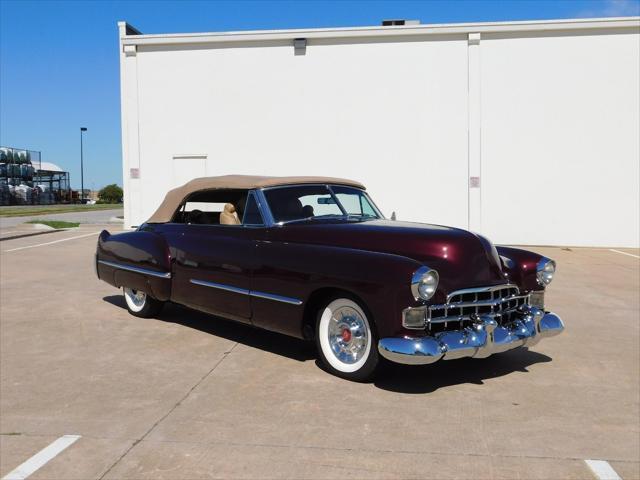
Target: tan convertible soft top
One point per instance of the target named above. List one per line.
(175, 197)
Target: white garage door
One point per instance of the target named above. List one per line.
(560, 143)
(392, 115)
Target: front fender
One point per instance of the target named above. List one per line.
(520, 267)
(380, 280)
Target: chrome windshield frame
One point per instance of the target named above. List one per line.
(270, 221)
(366, 195)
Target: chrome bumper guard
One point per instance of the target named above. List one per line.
(482, 339)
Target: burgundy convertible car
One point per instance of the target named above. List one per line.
(314, 258)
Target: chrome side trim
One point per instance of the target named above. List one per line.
(131, 268)
(220, 286)
(276, 298)
(251, 293)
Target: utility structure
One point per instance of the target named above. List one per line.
(82, 129)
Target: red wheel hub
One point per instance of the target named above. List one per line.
(346, 335)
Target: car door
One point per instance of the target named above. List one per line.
(213, 262)
(212, 269)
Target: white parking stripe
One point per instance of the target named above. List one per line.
(41, 458)
(602, 470)
(49, 243)
(623, 253)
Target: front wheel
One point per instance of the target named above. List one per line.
(140, 304)
(347, 344)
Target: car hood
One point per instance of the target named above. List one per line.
(462, 258)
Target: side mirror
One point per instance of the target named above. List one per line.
(393, 216)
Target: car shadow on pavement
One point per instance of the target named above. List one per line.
(391, 377)
(277, 343)
(429, 378)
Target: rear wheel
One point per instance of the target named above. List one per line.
(140, 304)
(346, 341)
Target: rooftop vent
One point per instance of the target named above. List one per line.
(399, 22)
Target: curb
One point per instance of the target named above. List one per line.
(32, 234)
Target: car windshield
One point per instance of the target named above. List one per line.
(313, 202)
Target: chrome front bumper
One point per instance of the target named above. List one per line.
(482, 339)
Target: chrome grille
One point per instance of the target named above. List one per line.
(500, 302)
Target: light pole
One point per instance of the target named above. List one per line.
(82, 129)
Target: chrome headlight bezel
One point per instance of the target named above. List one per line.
(545, 271)
(424, 283)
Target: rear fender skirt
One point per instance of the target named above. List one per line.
(156, 287)
(139, 260)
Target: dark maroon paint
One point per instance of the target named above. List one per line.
(372, 260)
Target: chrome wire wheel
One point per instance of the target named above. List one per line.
(135, 299)
(345, 335)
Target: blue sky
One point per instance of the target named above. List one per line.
(59, 60)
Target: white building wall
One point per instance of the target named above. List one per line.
(412, 117)
(561, 139)
(379, 113)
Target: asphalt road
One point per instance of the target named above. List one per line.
(96, 217)
(193, 396)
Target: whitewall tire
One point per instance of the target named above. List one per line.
(346, 340)
(140, 304)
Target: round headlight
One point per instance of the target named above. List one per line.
(546, 270)
(424, 283)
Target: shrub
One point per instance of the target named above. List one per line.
(110, 194)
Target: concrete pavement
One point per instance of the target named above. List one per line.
(193, 396)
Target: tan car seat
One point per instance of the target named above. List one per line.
(229, 215)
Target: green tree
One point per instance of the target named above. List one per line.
(110, 194)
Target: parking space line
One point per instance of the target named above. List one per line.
(49, 243)
(41, 458)
(602, 470)
(623, 253)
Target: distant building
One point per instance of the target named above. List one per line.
(55, 179)
(25, 179)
